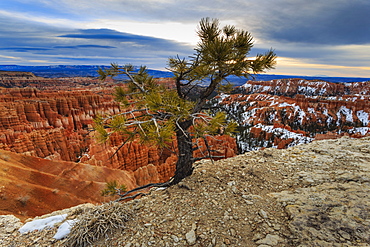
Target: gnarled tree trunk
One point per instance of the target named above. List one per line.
(184, 165)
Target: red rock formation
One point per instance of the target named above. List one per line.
(31, 186)
(291, 87)
(133, 155)
(54, 125)
(50, 123)
(301, 108)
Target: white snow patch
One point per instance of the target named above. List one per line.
(223, 96)
(307, 90)
(363, 117)
(284, 104)
(311, 110)
(246, 116)
(40, 224)
(346, 112)
(301, 113)
(273, 103)
(362, 130)
(247, 85)
(325, 112)
(64, 229)
(285, 134)
(322, 91)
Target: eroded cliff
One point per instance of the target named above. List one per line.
(284, 113)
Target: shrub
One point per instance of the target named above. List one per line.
(96, 223)
(112, 188)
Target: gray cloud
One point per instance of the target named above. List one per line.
(86, 46)
(34, 41)
(300, 21)
(324, 22)
(333, 32)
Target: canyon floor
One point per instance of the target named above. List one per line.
(316, 194)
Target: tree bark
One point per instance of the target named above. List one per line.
(184, 164)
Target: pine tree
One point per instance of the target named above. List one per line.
(156, 113)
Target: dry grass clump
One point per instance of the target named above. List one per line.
(96, 223)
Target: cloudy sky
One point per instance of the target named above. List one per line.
(310, 37)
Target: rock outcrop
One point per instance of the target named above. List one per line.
(140, 158)
(50, 124)
(292, 87)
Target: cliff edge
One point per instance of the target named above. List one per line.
(316, 194)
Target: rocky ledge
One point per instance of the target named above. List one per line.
(309, 195)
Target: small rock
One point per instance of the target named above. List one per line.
(193, 226)
(257, 237)
(213, 241)
(263, 214)
(191, 237)
(344, 234)
(175, 238)
(234, 190)
(248, 202)
(231, 183)
(270, 240)
(227, 241)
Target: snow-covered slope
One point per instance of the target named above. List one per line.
(284, 113)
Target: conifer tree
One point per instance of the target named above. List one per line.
(155, 113)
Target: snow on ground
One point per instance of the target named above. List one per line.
(285, 104)
(362, 130)
(301, 113)
(311, 110)
(285, 134)
(363, 117)
(247, 115)
(278, 132)
(223, 96)
(40, 224)
(346, 112)
(306, 90)
(64, 229)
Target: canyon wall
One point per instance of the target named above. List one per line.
(48, 123)
(53, 120)
(50, 156)
(284, 113)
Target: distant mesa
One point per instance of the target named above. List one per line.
(55, 71)
(16, 74)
